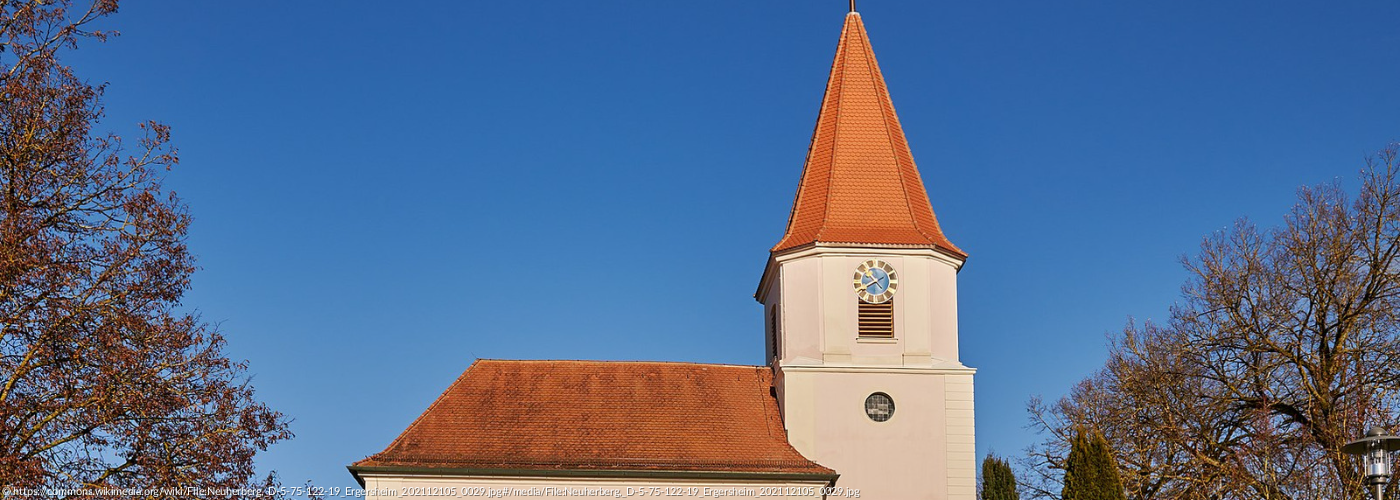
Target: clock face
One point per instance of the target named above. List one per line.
(875, 281)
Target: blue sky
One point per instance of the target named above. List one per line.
(383, 194)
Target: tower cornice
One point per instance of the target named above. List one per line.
(833, 250)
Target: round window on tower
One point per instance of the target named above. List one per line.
(879, 407)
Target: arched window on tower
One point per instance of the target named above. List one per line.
(773, 333)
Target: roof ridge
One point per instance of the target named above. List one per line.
(812, 146)
(840, 86)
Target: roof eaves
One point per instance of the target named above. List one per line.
(827, 475)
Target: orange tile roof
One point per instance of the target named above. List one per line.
(601, 416)
(860, 184)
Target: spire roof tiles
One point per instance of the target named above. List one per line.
(860, 184)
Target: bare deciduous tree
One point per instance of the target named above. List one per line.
(1286, 346)
(103, 381)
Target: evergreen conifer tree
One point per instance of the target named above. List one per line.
(998, 482)
(1091, 473)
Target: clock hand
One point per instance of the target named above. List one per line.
(873, 280)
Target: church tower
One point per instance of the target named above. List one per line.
(860, 301)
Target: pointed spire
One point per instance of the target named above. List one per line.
(860, 185)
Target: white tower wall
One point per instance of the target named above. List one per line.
(825, 371)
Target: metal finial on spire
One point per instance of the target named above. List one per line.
(853, 5)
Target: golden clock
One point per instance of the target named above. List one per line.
(875, 281)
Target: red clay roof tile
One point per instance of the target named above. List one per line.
(597, 415)
(860, 184)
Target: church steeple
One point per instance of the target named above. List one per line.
(859, 185)
(860, 303)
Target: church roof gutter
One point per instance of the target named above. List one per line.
(356, 470)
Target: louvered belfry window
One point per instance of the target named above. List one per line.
(876, 320)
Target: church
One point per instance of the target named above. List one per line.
(862, 396)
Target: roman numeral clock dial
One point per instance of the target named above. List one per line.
(875, 281)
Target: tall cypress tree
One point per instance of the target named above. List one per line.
(1078, 472)
(1109, 482)
(998, 482)
(1091, 473)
